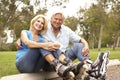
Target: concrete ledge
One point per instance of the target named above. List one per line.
(46, 75)
(114, 62)
(32, 76)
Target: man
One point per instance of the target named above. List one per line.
(57, 32)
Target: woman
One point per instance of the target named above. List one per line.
(37, 52)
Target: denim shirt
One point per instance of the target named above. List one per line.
(65, 36)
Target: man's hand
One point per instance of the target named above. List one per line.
(85, 51)
(18, 44)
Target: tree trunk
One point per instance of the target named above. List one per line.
(118, 42)
(93, 41)
(100, 38)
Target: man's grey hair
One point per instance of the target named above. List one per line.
(53, 11)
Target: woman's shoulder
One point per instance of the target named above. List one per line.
(26, 31)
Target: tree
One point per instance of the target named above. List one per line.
(114, 15)
(7, 18)
(93, 23)
(71, 22)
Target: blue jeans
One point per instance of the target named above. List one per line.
(75, 52)
(32, 62)
(55, 53)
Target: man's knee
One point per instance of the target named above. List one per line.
(79, 45)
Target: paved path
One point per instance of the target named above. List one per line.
(113, 72)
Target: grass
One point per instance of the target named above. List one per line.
(114, 54)
(7, 60)
(7, 63)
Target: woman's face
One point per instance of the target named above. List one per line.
(38, 24)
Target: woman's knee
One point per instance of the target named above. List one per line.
(22, 68)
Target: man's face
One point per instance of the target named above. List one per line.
(57, 20)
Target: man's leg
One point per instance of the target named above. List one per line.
(75, 52)
(29, 62)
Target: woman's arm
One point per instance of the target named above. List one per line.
(33, 44)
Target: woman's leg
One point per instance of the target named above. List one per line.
(32, 61)
(51, 55)
(61, 69)
(76, 52)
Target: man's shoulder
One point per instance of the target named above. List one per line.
(65, 27)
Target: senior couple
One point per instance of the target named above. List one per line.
(45, 46)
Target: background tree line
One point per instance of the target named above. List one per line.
(99, 24)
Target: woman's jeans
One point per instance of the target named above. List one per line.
(34, 60)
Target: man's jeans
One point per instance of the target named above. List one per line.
(75, 52)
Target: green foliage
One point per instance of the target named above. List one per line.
(94, 19)
(97, 16)
(8, 47)
(71, 22)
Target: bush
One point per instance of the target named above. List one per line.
(8, 47)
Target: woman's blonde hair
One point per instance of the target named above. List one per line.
(45, 26)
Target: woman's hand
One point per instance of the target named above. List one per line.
(51, 46)
(57, 45)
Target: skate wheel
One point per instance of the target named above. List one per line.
(71, 74)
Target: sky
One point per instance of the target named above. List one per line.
(74, 5)
(71, 7)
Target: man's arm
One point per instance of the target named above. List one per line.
(18, 44)
(85, 50)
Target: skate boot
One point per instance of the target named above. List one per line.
(79, 69)
(70, 75)
(62, 70)
(99, 67)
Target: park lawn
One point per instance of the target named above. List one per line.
(7, 63)
(7, 60)
(114, 54)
